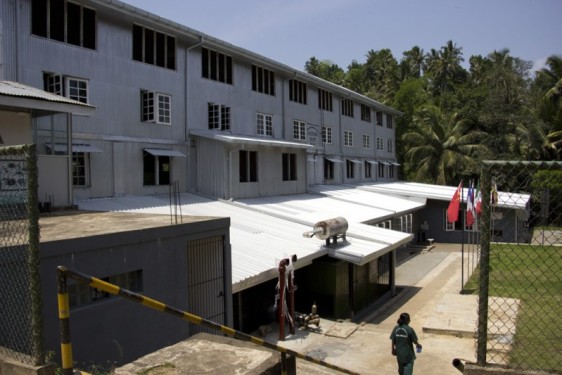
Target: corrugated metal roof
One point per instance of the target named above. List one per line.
(259, 241)
(410, 190)
(239, 139)
(10, 88)
(393, 205)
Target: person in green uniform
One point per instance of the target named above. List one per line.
(403, 337)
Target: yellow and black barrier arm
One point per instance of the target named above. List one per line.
(159, 306)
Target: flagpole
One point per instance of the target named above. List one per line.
(462, 240)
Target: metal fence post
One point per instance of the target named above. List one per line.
(484, 269)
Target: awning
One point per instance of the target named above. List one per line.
(396, 164)
(242, 139)
(164, 152)
(356, 161)
(333, 160)
(76, 147)
(374, 162)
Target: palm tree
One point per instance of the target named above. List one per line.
(444, 67)
(381, 71)
(441, 146)
(412, 64)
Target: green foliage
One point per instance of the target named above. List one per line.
(513, 115)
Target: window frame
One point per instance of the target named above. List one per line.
(154, 47)
(299, 130)
(349, 169)
(366, 141)
(289, 166)
(161, 175)
(380, 144)
(379, 118)
(327, 135)
(248, 166)
(368, 169)
(365, 113)
(325, 100)
(329, 167)
(218, 117)
(298, 91)
(264, 124)
(263, 80)
(347, 107)
(389, 122)
(348, 138)
(216, 66)
(161, 113)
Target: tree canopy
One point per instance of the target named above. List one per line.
(455, 117)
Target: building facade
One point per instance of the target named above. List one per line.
(176, 107)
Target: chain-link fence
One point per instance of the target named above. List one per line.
(520, 286)
(20, 292)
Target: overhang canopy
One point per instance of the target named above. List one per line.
(17, 95)
(239, 139)
(164, 152)
(76, 147)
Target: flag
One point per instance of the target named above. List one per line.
(470, 209)
(494, 194)
(478, 200)
(454, 205)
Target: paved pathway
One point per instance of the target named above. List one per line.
(427, 282)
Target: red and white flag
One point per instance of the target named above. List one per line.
(454, 205)
(478, 200)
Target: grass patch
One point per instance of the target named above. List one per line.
(533, 274)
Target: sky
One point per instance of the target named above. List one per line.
(293, 31)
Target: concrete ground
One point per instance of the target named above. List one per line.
(429, 286)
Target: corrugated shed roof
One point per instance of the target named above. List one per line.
(259, 241)
(16, 89)
(439, 192)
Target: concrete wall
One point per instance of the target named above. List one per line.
(114, 330)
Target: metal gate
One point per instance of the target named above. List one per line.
(205, 281)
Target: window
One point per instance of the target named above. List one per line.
(348, 138)
(368, 172)
(289, 167)
(390, 143)
(264, 124)
(218, 117)
(248, 166)
(153, 47)
(326, 134)
(73, 88)
(350, 169)
(449, 227)
(347, 107)
(156, 107)
(391, 171)
(156, 169)
(389, 121)
(381, 170)
(80, 169)
(379, 118)
(366, 141)
(263, 80)
(216, 66)
(299, 130)
(81, 294)
(328, 169)
(325, 100)
(297, 91)
(380, 145)
(365, 113)
(64, 21)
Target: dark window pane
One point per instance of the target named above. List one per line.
(253, 166)
(137, 42)
(163, 170)
(213, 67)
(254, 77)
(171, 52)
(39, 17)
(222, 67)
(243, 166)
(148, 46)
(161, 50)
(89, 28)
(73, 24)
(229, 69)
(57, 20)
(149, 169)
(205, 62)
